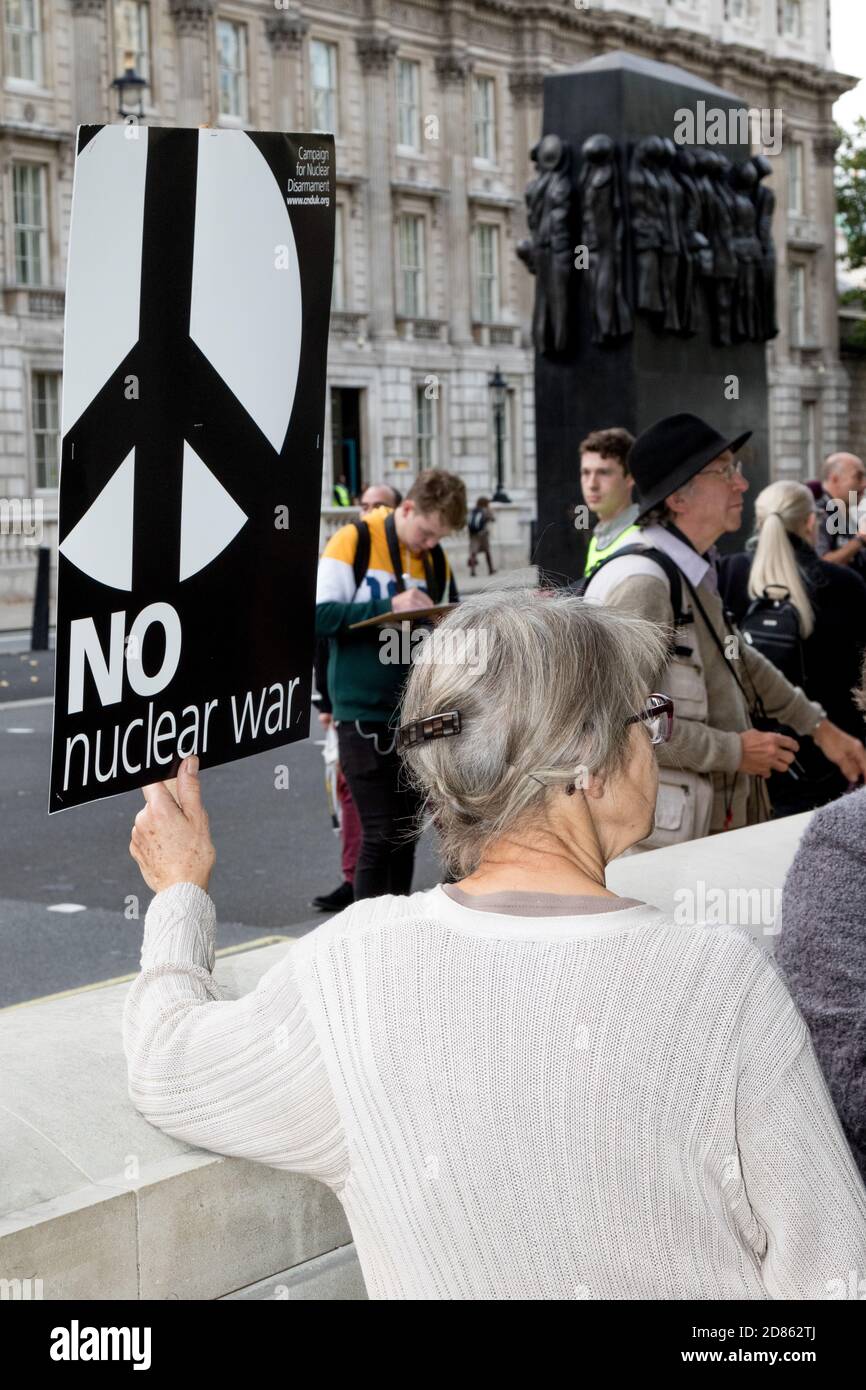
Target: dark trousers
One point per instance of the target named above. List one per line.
(386, 806)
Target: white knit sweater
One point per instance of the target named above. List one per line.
(541, 1107)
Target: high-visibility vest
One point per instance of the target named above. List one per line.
(594, 555)
(342, 495)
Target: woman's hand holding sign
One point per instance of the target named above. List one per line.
(171, 840)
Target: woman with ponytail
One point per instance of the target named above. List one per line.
(780, 562)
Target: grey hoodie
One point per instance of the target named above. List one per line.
(822, 953)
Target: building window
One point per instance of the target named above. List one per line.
(132, 35)
(412, 265)
(487, 272)
(738, 10)
(809, 435)
(31, 233)
(323, 79)
(508, 435)
(484, 118)
(24, 40)
(796, 191)
(797, 304)
(45, 421)
(232, 52)
(338, 286)
(409, 104)
(426, 432)
(791, 18)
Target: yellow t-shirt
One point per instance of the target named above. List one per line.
(336, 578)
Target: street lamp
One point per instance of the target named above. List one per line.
(499, 388)
(130, 86)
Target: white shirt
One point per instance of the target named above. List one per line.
(601, 1106)
(695, 567)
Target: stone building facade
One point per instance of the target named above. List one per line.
(434, 105)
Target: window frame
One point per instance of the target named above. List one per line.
(787, 7)
(798, 329)
(495, 277)
(421, 403)
(488, 121)
(142, 7)
(418, 270)
(413, 147)
(796, 171)
(334, 92)
(241, 74)
(43, 230)
(48, 370)
(338, 283)
(11, 80)
(510, 436)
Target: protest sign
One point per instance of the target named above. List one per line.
(197, 309)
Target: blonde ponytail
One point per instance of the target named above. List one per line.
(782, 509)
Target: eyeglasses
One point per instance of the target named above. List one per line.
(729, 472)
(658, 717)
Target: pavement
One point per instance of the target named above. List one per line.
(72, 901)
(26, 675)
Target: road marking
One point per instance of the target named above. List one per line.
(124, 979)
(67, 907)
(26, 704)
(19, 731)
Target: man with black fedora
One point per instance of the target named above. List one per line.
(728, 698)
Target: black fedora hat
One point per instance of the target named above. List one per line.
(670, 452)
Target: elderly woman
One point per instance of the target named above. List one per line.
(518, 1085)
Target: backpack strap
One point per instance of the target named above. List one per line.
(671, 571)
(361, 562)
(434, 572)
(393, 542)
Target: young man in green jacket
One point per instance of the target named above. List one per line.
(606, 485)
(403, 570)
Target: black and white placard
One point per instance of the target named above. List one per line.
(197, 307)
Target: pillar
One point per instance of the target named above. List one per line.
(375, 52)
(286, 36)
(452, 71)
(90, 85)
(192, 19)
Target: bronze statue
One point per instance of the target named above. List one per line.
(698, 256)
(602, 234)
(765, 205)
(719, 228)
(673, 247)
(743, 179)
(647, 227)
(548, 252)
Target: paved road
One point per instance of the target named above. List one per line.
(275, 848)
(25, 675)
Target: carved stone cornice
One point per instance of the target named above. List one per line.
(191, 16)
(88, 9)
(452, 69)
(825, 148)
(286, 32)
(375, 52)
(527, 88)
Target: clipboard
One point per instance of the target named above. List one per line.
(414, 615)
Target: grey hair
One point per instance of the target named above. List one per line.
(547, 706)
